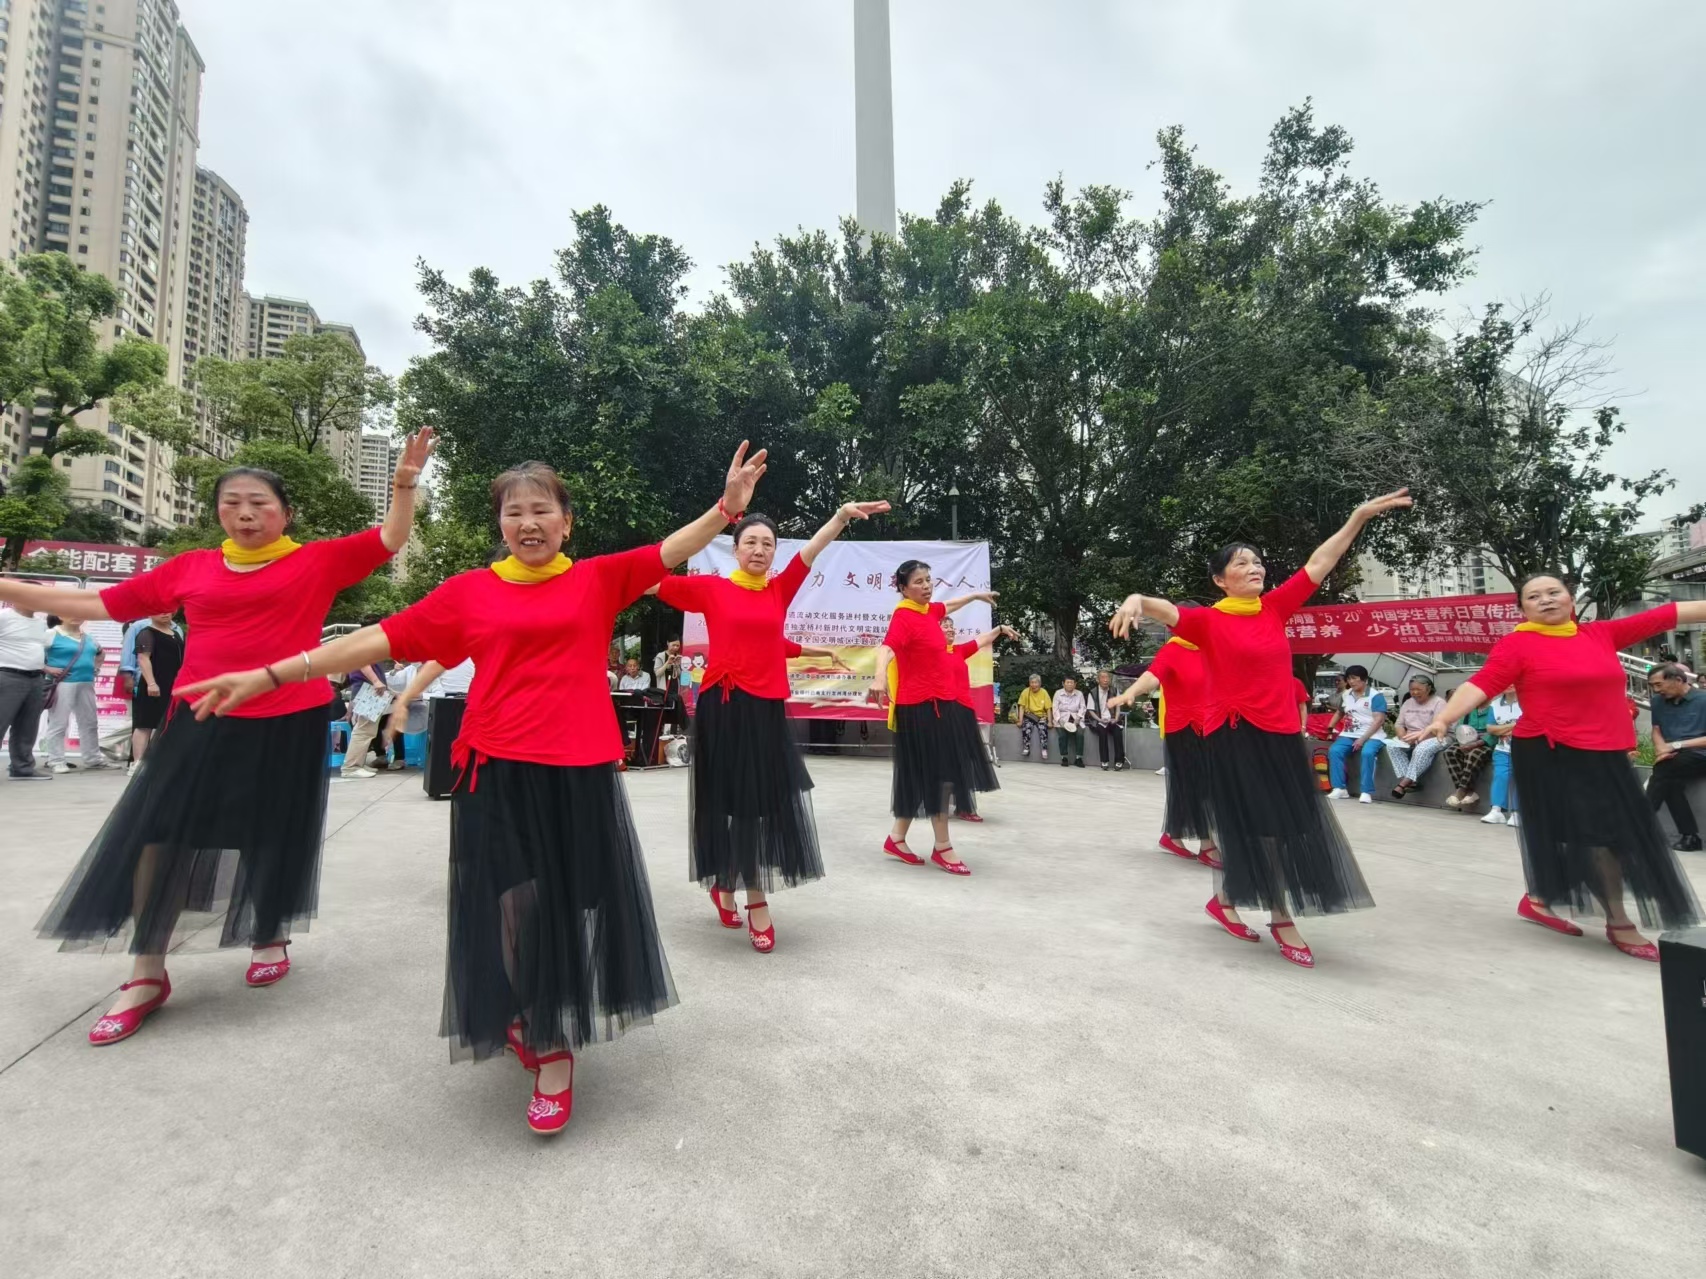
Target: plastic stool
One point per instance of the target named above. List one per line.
(337, 741)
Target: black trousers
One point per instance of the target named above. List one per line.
(1668, 787)
(1106, 734)
(21, 696)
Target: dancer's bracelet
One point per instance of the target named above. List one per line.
(276, 681)
(307, 666)
(723, 510)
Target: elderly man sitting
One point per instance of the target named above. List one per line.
(1679, 748)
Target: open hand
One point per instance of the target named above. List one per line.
(862, 510)
(417, 451)
(1396, 500)
(1126, 616)
(743, 477)
(877, 694)
(224, 693)
(1439, 728)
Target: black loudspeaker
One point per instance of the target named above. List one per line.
(444, 722)
(1682, 973)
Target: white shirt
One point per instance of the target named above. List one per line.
(457, 679)
(1361, 711)
(23, 641)
(635, 683)
(1506, 711)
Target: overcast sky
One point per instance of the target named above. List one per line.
(363, 134)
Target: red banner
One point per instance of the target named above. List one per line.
(88, 559)
(1449, 624)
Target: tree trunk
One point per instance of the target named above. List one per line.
(1065, 630)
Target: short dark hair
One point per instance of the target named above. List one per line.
(1221, 559)
(903, 574)
(535, 474)
(755, 520)
(1670, 670)
(272, 479)
(1522, 585)
(1357, 670)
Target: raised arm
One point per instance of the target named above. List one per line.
(81, 606)
(1136, 606)
(837, 525)
(224, 693)
(1691, 612)
(400, 519)
(1467, 697)
(1327, 555)
(989, 637)
(688, 540)
(958, 602)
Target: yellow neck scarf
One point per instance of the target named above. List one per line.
(1182, 643)
(1541, 628)
(749, 581)
(914, 605)
(1239, 605)
(513, 570)
(235, 554)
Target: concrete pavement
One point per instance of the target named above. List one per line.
(1056, 1067)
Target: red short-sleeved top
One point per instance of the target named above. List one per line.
(927, 665)
(541, 693)
(1299, 694)
(747, 645)
(1248, 660)
(1573, 690)
(1184, 681)
(962, 671)
(238, 621)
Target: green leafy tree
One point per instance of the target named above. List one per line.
(319, 385)
(86, 523)
(33, 504)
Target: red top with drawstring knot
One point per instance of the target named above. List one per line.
(1248, 660)
(748, 649)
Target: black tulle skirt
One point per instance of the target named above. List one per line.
(751, 811)
(1188, 813)
(1278, 840)
(939, 760)
(221, 825)
(1586, 821)
(550, 911)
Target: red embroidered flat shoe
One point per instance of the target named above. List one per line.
(1240, 930)
(1207, 858)
(269, 974)
(968, 817)
(1170, 845)
(763, 942)
(1302, 956)
(516, 1044)
(730, 917)
(116, 1026)
(1525, 910)
(952, 867)
(1645, 950)
(548, 1112)
(901, 851)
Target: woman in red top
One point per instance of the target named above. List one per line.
(1282, 849)
(223, 819)
(939, 758)
(751, 812)
(1178, 671)
(962, 687)
(1587, 829)
(553, 943)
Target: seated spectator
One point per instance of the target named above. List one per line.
(1036, 710)
(1414, 751)
(1361, 725)
(1107, 721)
(1679, 749)
(1505, 713)
(1069, 710)
(634, 680)
(1467, 754)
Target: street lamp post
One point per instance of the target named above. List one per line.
(954, 502)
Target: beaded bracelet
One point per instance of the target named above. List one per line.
(724, 512)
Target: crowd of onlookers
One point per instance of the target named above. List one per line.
(1066, 715)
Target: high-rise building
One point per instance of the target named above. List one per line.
(274, 320)
(99, 113)
(216, 315)
(1474, 575)
(378, 460)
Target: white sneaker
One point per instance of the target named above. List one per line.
(1365, 798)
(60, 767)
(130, 768)
(94, 763)
(1338, 793)
(1495, 817)
(1161, 772)
(360, 772)
(1515, 819)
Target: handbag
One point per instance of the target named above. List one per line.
(1466, 736)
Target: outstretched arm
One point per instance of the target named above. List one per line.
(81, 606)
(688, 540)
(1691, 612)
(1142, 686)
(837, 524)
(1136, 606)
(425, 674)
(958, 602)
(1327, 555)
(989, 637)
(1467, 697)
(224, 693)
(400, 519)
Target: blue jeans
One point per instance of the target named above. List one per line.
(1340, 751)
(1503, 794)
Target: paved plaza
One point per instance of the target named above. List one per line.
(1057, 1067)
